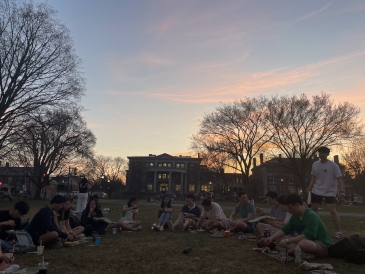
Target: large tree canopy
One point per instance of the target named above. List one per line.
(38, 65)
(49, 141)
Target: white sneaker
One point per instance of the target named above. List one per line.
(138, 228)
(338, 235)
(161, 228)
(171, 226)
(156, 227)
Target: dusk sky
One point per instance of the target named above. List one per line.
(154, 67)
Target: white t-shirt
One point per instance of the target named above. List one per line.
(326, 175)
(215, 212)
(287, 218)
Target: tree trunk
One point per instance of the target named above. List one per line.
(38, 193)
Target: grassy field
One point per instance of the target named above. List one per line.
(148, 251)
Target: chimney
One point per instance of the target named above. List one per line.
(335, 158)
(198, 155)
(261, 158)
(254, 162)
(7, 164)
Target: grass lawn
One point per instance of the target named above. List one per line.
(148, 251)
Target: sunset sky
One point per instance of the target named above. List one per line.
(154, 67)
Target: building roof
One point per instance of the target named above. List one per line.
(163, 156)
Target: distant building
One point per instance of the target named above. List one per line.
(173, 174)
(15, 179)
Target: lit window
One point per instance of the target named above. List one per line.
(151, 164)
(177, 188)
(168, 164)
(164, 165)
(204, 188)
(177, 165)
(191, 188)
(159, 176)
(182, 166)
(159, 164)
(149, 187)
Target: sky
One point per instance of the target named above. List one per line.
(153, 68)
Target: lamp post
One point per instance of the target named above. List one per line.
(282, 186)
(102, 180)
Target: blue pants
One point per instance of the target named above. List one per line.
(6, 246)
(164, 217)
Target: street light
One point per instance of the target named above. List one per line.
(282, 187)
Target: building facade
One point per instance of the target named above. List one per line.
(172, 174)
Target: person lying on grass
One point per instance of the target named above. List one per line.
(188, 216)
(164, 213)
(212, 216)
(275, 211)
(128, 219)
(62, 221)
(90, 221)
(312, 233)
(274, 225)
(247, 212)
(42, 227)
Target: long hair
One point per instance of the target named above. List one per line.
(168, 204)
(131, 200)
(96, 207)
(64, 214)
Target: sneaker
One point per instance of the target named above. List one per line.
(171, 226)
(138, 228)
(156, 227)
(11, 269)
(338, 235)
(181, 226)
(307, 256)
(80, 236)
(161, 228)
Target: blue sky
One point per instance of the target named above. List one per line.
(153, 68)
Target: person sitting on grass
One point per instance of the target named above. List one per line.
(247, 212)
(164, 213)
(90, 219)
(42, 227)
(275, 211)
(212, 216)
(273, 225)
(63, 223)
(6, 260)
(188, 216)
(128, 219)
(312, 235)
(11, 220)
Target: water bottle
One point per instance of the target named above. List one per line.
(298, 255)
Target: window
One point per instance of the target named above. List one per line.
(177, 165)
(191, 188)
(180, 165)
(271, 179)
(291, 189)
(177, 188)
(159, 164)
(168, 164)
(291, 180)
(306, 180)
(163, 176)
(164, 165)
(272, 188)
(204, 188)
(149, 164)
(149, 187)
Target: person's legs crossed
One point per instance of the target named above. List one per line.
(49, 238)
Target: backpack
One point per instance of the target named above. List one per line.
(74, 221)
(351, 249)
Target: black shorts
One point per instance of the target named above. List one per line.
(317, 199)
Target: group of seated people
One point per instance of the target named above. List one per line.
(289, 223)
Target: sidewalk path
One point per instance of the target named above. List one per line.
(180, 203)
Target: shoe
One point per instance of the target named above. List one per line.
(338, 235)
(171, 226)
(156, 227)
(161, 228)
(181, 226)
(80, 236)
(55, 245)
(138, 228)
(307, 256)
(11, 269)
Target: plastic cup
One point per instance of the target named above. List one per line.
(42, 270)
(40, 249)
(97, 240)
(227, 233)
(115, 230)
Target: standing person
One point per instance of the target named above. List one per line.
(164, 213)
(247, 212)
(188, 216)
(43, 229)
(84, 187)
(312, 236)
(128, 219)
(212, 216)
(325, 177)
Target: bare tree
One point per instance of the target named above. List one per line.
(300, 125)
(106, 173)
(38, 65)
(354, 161)
(49, 141)
(234, 133)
